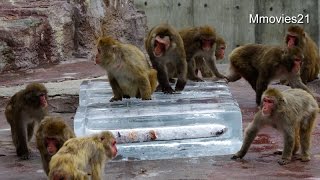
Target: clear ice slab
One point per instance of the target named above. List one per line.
(202, 120)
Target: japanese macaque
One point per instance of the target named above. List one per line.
(167, 55)
(297, 37)
(293, 112)
(201, 63)
(260, 64)
(24, 111)
(128, 70)
(52, 133)
(80, 158)
(200, 42)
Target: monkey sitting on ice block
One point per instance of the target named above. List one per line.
(293, 112)
(128, 70)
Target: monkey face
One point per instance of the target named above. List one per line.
(268, 104)
(292, 40)
(220, 52)
(206, 43)
(161, 45)
(52, 145)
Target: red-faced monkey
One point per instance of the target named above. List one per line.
(128, 70)
(200, 42)
(293, 112)
(167, 55)
(52, 133)
(24, 111)
(81, 157)
(260, 64)
(297, 37)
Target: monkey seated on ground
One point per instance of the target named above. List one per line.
(260, 64)
(128, 70)
(167, 55)
(81, 157)
(293, 112)
(24, 111)
(200, 62)
(297, 37)
(200, 42)
(52, 133)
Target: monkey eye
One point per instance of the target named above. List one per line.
(223, 48)
(114, 142)
(268, 101)
(297, 59)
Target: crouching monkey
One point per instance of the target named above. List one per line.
(79, 158)
(293, 112)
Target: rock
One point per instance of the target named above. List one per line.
(41, 32)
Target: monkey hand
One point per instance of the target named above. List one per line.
(167, 90)
(283, 161)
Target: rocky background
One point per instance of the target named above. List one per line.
(37, 33)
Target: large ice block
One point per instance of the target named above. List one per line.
(202, 120)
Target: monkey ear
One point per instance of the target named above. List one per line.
(304, 34)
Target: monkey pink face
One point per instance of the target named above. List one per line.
(43, 100)
(206, 44)
(291, 40)
(267, 106)
(220, 53)
(161, 44)
(52, 145)
(114, 149)
(297, 65)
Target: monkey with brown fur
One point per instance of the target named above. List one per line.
(260, 64)
(297, 37)
(167, 55)
(128, 71)
(50, 136)
(293, 112)
(78, 155)
(24, 111)
(201, 63)
(200, 42)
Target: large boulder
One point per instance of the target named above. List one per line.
(46, 32)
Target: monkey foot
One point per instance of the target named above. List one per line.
(278, 152)
(235, 157)
(284, 161)
(305, 158)
(168, 90)
(115, 99)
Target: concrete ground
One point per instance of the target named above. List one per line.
(63, 83)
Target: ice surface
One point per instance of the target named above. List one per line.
(202, 120)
